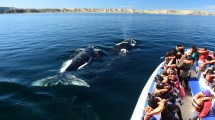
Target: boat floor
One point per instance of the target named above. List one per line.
(187, 109)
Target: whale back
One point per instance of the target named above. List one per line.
(78, 61)
(90, 51)
(131, 42)
(126, 44)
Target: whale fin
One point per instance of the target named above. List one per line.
(60, 80)
(84, 64)
(65, 65)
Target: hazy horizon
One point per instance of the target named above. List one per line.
(200, 5)
(102, 8)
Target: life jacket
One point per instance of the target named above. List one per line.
(203, 56)
(196, 105)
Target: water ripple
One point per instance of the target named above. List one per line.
(34, 46)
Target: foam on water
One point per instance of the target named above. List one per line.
(60, 80)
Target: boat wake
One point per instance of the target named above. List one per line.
(64, 79)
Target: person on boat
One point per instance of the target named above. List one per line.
(208, 63)
(206, 81)
(180, 49)
(179, 54)
(174, 79)
(159, 109)
(175, 85)
(203, 53)
(170, 59)
(162, 91)
(202, 103)
(166, 91)
(193, 53)
(184, 66)
(154, 108)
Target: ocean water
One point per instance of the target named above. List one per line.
(34, 46)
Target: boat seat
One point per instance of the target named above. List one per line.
(210, 116)
(194, 86)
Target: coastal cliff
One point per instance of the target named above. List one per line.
(8, 10)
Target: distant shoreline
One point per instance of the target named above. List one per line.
(12, 10)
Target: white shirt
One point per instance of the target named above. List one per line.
(202, 82)
(157, 116)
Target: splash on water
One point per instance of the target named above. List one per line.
(60, 80)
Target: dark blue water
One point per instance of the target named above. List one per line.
(34, 46)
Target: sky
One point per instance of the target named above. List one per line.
(206, 5)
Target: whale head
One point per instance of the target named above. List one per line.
(130, 41)
(91, 52)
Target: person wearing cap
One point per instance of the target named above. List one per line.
(202, 103)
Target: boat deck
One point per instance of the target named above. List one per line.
(187, 108)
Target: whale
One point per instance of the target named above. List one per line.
(77, 62)
(125, 46)
(80, 60)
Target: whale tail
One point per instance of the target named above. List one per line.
(63, 79)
